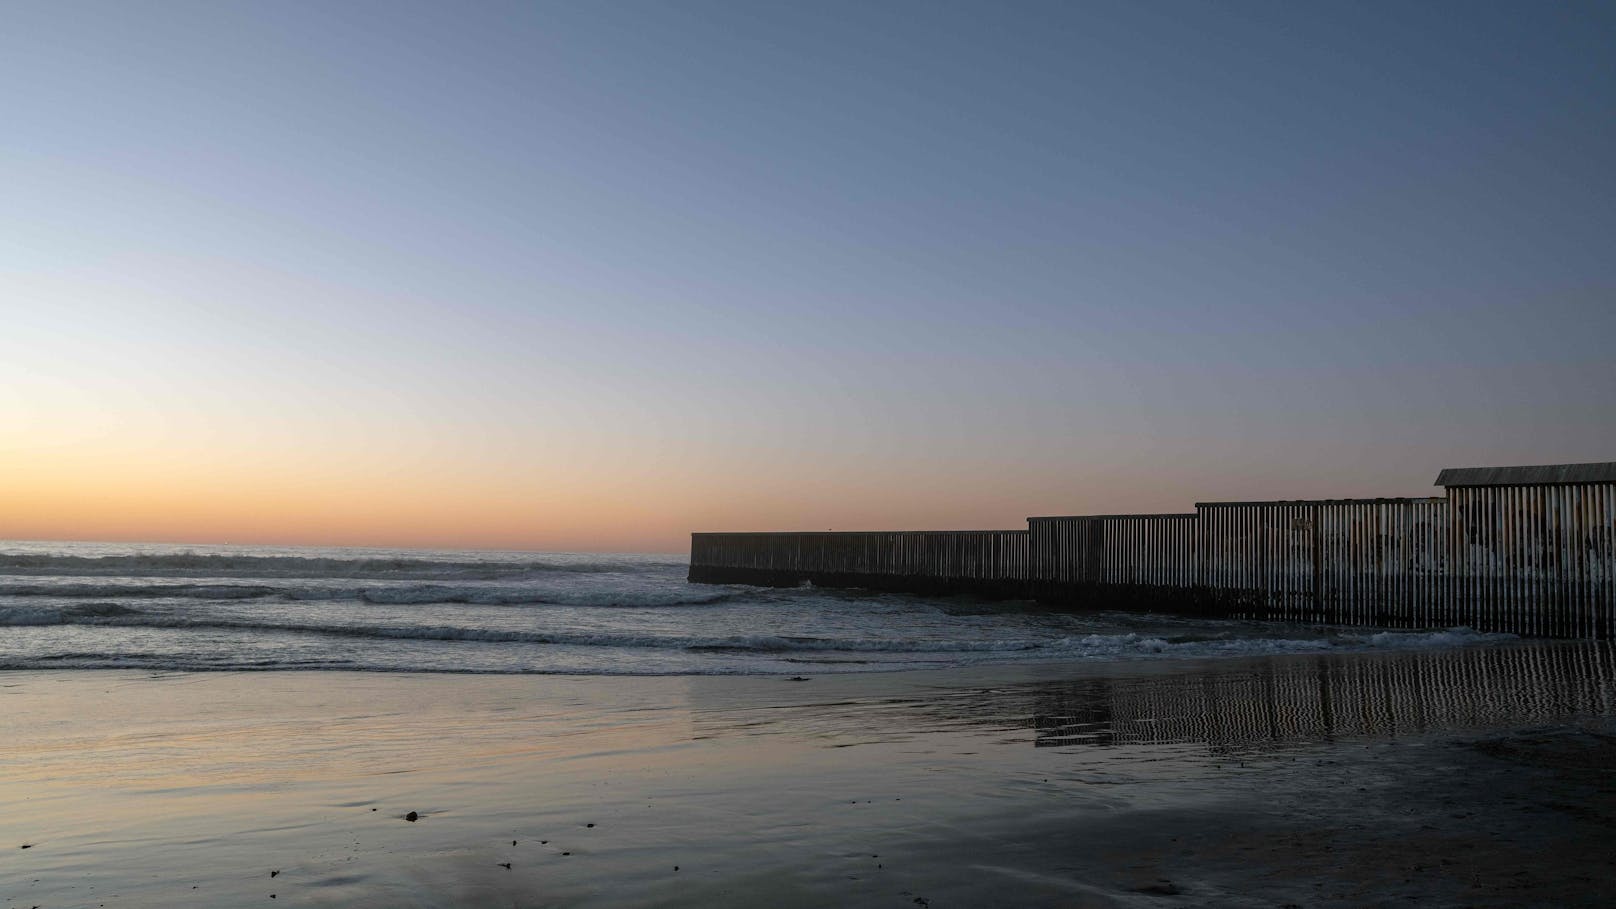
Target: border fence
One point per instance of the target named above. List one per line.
(990, 562)
(1525, 550)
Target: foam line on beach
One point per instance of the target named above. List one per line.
(1091, 645)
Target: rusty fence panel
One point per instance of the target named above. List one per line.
(1538, 560)
(1340, 561)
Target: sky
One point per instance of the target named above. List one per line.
(591, 276)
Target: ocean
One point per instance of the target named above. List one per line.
(189, 608)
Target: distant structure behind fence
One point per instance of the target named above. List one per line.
(1525, 550)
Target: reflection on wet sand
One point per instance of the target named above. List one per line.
(1326, 697)
(1233, 706)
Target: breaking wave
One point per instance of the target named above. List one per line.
(421, 594)
(1084, 646)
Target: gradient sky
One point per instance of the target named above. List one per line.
(594, 275)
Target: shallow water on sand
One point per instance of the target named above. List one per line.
(1231, 782)
(85, 605)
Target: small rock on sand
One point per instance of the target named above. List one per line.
(412, 817)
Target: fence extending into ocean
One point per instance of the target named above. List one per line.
(1524, 550)
(984, 562)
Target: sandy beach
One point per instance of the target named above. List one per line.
(1477, 776)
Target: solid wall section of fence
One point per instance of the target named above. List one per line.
(1532, 558)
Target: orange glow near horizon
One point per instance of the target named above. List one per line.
(586, 501)
(345, 470)
(135, 499)
(602, 495)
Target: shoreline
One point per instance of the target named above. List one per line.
(1213, 782)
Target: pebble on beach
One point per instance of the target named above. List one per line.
(412, 817)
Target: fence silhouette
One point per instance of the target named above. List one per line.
(989, 562)
(1526, 550)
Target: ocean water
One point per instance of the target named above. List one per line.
(168, 607)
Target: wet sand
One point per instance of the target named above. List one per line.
(1478, 777)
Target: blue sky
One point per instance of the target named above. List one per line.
(638, 269)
